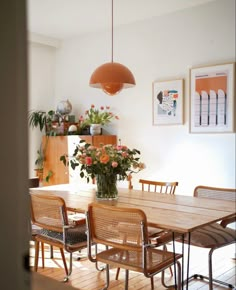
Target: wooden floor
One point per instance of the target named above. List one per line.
(86, 277)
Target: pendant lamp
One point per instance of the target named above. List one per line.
(112, 76)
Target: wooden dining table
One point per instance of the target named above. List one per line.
(177, 213)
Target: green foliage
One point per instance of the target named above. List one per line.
(42, 120)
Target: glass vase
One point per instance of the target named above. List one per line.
(106, 186)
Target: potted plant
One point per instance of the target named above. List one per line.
(96, 118)
(39, 163)
(44, 121)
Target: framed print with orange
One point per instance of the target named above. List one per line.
(212, 99)
(168, 102)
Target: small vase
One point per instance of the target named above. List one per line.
(95, 129)
(106, 186)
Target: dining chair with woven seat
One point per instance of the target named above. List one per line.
(158, 236)
(216, 235)
(164, 187)
(49, 212)
(34, 230)
(128, 248)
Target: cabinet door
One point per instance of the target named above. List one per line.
(104, 139)
(56, 146)
(99, 139)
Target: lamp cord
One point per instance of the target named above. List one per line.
(111, 30)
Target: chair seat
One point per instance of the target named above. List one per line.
(157, 260)
(213, 235)
(74, 235)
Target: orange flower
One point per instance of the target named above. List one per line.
(104, 158)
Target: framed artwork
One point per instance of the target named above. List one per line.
(167, 102)
(212, 99)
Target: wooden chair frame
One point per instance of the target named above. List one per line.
(124, 233)
(49, 212)
(159, 186)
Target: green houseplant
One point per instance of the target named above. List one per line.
(39, 163)
(43, 120)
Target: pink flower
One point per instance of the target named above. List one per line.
(92, 106)
(102, 108)
(88, 161)
(114, 164)
(107, 107)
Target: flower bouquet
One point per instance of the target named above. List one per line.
(107, 163)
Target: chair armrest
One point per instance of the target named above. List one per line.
(228, 221)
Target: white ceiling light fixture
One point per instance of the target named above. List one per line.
(112, 77)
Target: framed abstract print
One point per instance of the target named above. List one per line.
(212, 99)
(168, 102)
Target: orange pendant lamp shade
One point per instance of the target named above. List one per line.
(112, 77)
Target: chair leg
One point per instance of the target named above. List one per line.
(165, 249)
(107, 278)
(152, 283)
(126, 279)
(210, 269)
(179, 282)
(51, 251)
(64, 260)
(117, 273)
(70, 268)
(42, 251)
(36, 256)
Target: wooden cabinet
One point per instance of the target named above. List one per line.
(56, 146)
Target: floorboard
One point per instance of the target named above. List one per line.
(86, 277)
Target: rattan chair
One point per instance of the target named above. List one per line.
(158, 236)
(215, 235)
(124, 233)
(34, 182)
(49, 212)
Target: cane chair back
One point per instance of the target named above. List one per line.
(34, 182)
(124, 233)
(49, 212)
(158, 186)
(217, 193)
(215, 235)
(156, 235)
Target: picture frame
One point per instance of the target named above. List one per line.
(212, 99)
(167, 102)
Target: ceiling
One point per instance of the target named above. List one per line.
(69, 18)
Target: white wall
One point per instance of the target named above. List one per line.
(162, 48)
(41, 59)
